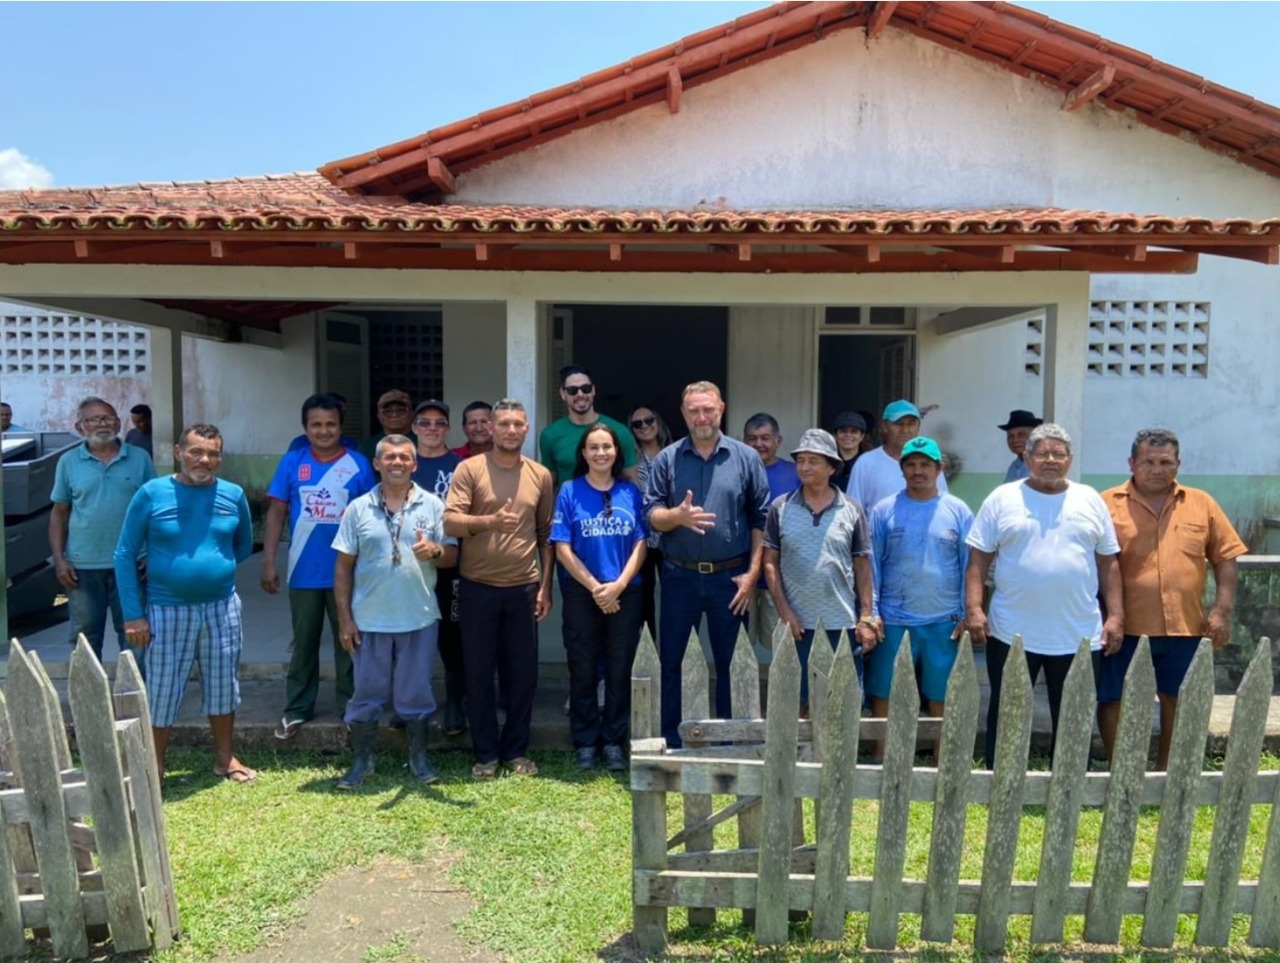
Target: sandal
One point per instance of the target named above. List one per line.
(523, 766)
(484, 770)
(288, 728)
(237, 772)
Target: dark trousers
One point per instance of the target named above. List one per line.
(499, 633)
(309, 607)
(1055, 668)
(649, 590)
(450, 628)
(686, 597)
(592, 638)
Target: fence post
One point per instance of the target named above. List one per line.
(12, 933)
(839, 740)
(821, 665)
(1004, 814)
(695, 704)
(895, 800)
(37, 752)
(648, 809)
(951, 797)
(1124, 791)
(744, 679)
(777, 800)
(1264, 927)
(1066, 791)
(90, 695)
(1231, 818)
(1178, 807)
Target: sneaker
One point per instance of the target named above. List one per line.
(587, 757)
(614, 760)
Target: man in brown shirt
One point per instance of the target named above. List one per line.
(501, 503)
(1169, 535)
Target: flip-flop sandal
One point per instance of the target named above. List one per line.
(238, 773)
(288, 728)
(484, 770)
(522, 766)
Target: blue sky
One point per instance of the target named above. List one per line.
(107, 93)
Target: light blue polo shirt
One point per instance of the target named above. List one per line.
(99, 497)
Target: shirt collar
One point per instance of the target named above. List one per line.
(121, 452)
(686, 444)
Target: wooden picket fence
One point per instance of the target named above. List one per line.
(83, 854)
(771, 765)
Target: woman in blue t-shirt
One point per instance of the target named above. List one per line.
(599, 533)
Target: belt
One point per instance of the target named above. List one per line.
(708, 568)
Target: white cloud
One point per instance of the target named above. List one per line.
(18, 171)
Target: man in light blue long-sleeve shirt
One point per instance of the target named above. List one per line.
(194, 528)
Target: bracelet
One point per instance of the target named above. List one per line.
(868, 620)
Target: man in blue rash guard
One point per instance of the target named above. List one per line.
(194, 528)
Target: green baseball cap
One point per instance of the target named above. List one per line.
(921, 446)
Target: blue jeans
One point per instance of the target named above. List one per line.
(88, 605)
(686, 597)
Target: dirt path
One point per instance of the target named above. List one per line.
(388, 912)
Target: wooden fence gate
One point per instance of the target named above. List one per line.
(770, 765)
(59, 874)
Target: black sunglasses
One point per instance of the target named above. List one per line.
(643, 422)
(586, 389)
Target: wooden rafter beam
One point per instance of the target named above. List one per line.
(1129, 252)
(866, 253)
(1092, 86)
(1259, 254)
(675, 87)
(441, 176)
(1003, 253)
(615, 252)
(881, 14)
(744, 252)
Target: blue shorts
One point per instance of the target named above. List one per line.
(932, 650)
(1170, 654)
(181, 635)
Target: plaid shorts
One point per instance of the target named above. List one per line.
(208, 633)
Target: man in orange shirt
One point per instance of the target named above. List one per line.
(1169, 535)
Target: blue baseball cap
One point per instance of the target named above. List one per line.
(897, 410)
(920, 445)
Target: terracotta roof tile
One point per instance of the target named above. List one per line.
(294, 202)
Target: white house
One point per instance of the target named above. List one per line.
(820, 206)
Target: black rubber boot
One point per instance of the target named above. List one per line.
(455, 687)
(364, 739)
(419, 764)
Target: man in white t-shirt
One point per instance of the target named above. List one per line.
(878, 474)
(1058, 549)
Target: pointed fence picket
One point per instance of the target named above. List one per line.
(759, 769)
(60, 875)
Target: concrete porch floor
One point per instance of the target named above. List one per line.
(266, 658)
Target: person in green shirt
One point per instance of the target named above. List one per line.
(559, 442)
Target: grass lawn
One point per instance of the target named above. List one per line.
(547, 860)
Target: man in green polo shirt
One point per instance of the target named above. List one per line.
(92, 487)
(560, 440)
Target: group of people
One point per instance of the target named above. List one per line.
(139, 434)
(421, 551)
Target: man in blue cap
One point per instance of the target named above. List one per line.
(877, 474)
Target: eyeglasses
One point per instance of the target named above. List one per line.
(100, 420)
(434, 423)
(643, 422)
(608, 504)
(572, 390)
(1051, 456)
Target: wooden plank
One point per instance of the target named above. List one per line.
(675, 87)
(130, 696)
(695, 702)
(37, 753)
(881, 13)
(1094, 84)
(950, 800)
(727, 889)
(1124, 799)
(646, 689)
(1231, 819)
(1004, 816)
(749, 838)
(1264, 928)
(150, 830)
(777, 802)
(53, 706)
(89, 693)
(752, 730)
(710, 821)
(441, 176)
(839, 726)
(821, 663)
(1178, 810)
(12, 934)
(803, 862)
(1062, 814)
(744, 679)
(895, 801)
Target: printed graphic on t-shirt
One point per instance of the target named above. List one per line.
(618, 522)
(322, 503)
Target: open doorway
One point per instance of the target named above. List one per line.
(863, 373)
(640, 354)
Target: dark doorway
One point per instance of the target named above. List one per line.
(646, 354)
(863, 373)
